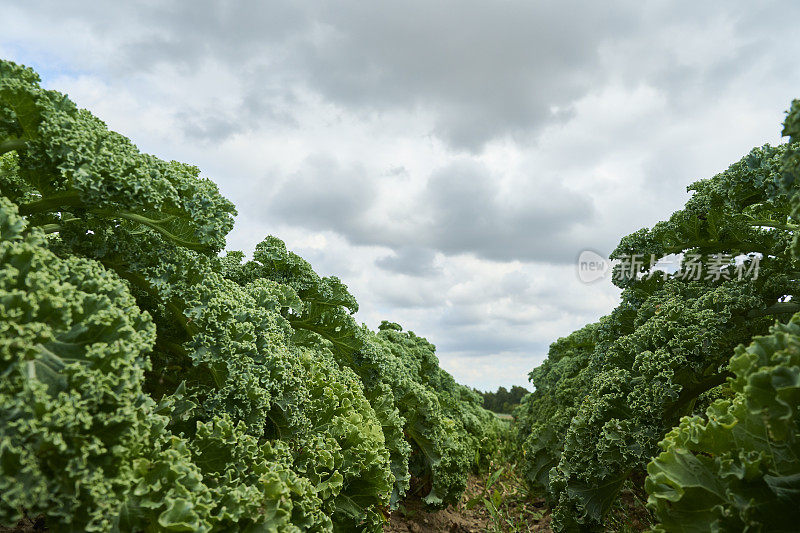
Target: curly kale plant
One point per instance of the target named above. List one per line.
(434, 428)
(72, 167)
(73, 418)
(610, 392)
(738, 467)
(148, 384)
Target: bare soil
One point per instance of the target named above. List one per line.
(27, 525)
(412, 517)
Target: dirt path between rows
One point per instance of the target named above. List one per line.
(412, 518)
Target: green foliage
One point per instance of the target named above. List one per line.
(72, 415)
(435, 429)
(319, 311)
(608, 393)
(743, 210)
(544, 416)
(505, 499)
(75, 166)
(504, 400)
(450, 433)
(150, 385)
(738, 467)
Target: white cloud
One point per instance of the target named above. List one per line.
(448, 169)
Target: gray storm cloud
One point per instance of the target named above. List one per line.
(448, 159)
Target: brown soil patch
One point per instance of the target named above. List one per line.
(27, 525)
(527, 516)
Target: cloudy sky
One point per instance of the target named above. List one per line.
(448, 160)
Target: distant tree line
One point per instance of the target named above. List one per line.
(504, 400)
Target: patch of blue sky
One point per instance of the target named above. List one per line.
(50, 66)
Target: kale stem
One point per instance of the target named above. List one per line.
(51, 203)
(52, 228)
(11, 145)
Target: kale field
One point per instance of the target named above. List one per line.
(151, 380)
